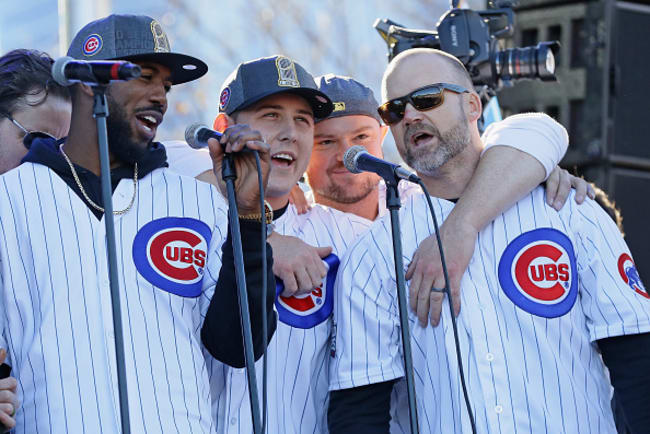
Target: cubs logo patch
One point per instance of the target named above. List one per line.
(224, 98)
(538, 272)
(309, 310)
(92, 45)
(170, 253)
(629, 274)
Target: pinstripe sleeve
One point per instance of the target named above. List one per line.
(365, 346)
(536, 134)
(613, 297)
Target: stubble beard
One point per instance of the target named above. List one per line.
(348, 194)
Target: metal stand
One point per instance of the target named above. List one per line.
(393, 204)
(229, 175)
(100, 113)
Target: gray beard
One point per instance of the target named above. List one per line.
(450, 144)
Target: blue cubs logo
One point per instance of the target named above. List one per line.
(224, 98)
(171, 252)
(538, 273)
(629, 274)
(92, 45)
(309, 310)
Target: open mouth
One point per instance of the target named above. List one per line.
(282, 159)
(148, 123)
(420, 138)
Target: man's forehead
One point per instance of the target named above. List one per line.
(284, 100)
(344, 125)
(414, 72)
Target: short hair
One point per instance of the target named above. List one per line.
(26, 72)
(457, 67)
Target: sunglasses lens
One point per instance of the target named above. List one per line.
(426, 99)
(392, 112)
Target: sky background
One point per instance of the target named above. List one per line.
(326, 36)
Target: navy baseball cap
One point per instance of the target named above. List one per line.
(134, 38)
(254, 80)
(348, 96)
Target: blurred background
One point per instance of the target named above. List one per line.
(600, 96)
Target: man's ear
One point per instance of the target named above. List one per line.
(84, 88)
(473, 107)
(221, 122)
(383, 130)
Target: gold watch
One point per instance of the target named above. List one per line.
(268, 215)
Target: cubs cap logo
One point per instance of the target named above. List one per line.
(170, 253)
(92, 45)
(309, 310)
(339, 106)
(538, 272)
(224, 98)
(629, 274)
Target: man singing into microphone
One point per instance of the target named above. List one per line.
(56, 317)
(278, 97)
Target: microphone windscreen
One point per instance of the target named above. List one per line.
(191, 136)
(350, 158)
(58, 70)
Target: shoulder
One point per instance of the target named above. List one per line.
(186, 160)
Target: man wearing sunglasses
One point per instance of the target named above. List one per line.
(32, 104)
(545, 293)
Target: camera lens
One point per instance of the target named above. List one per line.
(527, 62)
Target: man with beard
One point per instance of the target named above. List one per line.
(276, 96)
(545, 291)
(56, 316)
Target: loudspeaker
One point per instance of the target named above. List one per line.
(600, 97)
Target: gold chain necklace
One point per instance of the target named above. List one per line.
(85, 195)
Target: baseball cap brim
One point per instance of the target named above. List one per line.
(184, 68)
(319, 102)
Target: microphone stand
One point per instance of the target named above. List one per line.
(228, 174)
(100, 113)
(393, 204)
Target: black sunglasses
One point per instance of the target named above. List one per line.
(424, 98)
(29, 136)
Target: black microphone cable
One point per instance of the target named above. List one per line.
(260, 182)
(447, 290)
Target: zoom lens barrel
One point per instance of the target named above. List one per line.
(527, 62)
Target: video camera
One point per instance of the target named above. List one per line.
(473, 37)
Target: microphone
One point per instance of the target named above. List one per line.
(357, 160)
(67, 71)
(197, 135)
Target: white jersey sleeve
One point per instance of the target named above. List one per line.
(613, 297)
(186, 160)
(536, 134)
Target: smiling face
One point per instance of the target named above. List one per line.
(136, 109)
(287, 125)
(427, 140)
(327, 176)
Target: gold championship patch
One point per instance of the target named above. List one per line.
(287, 76)
(160, 41)
(339, 106)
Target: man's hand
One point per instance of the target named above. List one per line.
(8, 398)
(298, 199)
(297, 264)
(559, 185)
(246, 185)
(425, 270)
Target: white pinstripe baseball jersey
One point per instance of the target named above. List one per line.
(298, 353)
(56, 310)
(541, 288)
